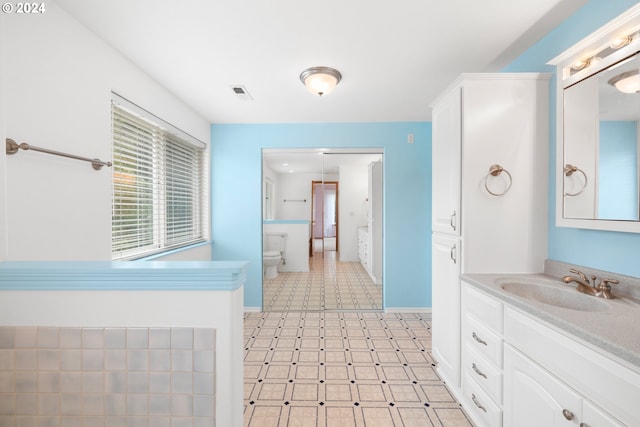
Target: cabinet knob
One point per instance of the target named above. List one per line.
(567, 414)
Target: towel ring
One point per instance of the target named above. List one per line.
(568, 171)
(496, 170)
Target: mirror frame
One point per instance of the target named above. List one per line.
(624, 25)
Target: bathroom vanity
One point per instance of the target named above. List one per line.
(548, 356)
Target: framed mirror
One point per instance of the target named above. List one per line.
(598, 129)
(601, 138)
(322, 229)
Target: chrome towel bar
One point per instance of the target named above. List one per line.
(13, 147)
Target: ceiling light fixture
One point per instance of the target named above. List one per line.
(628, 82)
(320, 80)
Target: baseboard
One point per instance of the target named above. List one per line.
(386, 310)
(407, 310)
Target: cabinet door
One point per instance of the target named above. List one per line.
(446, 160)
(534, 398)
(446, 307)
(592, 416)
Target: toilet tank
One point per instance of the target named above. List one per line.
(276, 241)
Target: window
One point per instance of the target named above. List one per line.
(158, 184)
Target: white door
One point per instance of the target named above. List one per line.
(446, 307)
(446, 160)
(535, 398)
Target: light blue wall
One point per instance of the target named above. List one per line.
(236, 170)
(603, 250)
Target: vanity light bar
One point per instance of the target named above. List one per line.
(611, 47)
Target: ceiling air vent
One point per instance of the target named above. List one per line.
(241, 92)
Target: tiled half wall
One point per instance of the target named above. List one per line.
(107, 377)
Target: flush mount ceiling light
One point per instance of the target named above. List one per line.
(628, 82)
(320, 80)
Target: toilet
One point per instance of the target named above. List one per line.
(272, 254)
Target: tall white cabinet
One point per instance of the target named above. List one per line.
(485, 222)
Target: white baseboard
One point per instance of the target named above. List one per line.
(407, 310)
(252, 309)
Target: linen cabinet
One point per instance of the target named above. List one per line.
(489, 195)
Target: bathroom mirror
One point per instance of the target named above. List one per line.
(598, 129)
(600, 161)
(322, 209)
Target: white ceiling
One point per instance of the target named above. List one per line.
(317, 160)
(395, 56)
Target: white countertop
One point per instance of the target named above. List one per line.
(615, 330)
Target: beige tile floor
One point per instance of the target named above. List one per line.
(339, 369)
(329, 285)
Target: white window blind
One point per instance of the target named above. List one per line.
(158, 183)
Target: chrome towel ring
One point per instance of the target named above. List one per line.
(568, 171)
(496, 170)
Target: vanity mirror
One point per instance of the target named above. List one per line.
(598, 140)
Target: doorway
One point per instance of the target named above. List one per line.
(324, 216)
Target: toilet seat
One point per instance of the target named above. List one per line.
(271, 254)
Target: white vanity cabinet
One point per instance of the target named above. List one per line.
(518, 371)
(482, 355)
(446, 164)
(446, 343)
(536, 398)
(548, 371)
(480, 121)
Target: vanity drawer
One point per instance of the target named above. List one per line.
(483, 372)
(479, 404)
(482, 339)
(487, 310)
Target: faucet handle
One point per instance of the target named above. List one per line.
(581, 274)
(606, 284)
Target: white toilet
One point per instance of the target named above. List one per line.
(272, 254)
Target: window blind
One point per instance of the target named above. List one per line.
(158, 183)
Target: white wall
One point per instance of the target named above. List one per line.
(352, 211)
(3, 159)
(56, 88)
(296, 186)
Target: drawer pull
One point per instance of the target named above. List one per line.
(478, 371)
(477, 338)
(567, 414)
(453, 254)
(475, 401)
(452, 221)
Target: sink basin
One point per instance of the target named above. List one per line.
(555, 294)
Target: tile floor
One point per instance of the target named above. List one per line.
(339, 369)
(329, 285)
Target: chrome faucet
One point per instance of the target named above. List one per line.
(601, 289)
